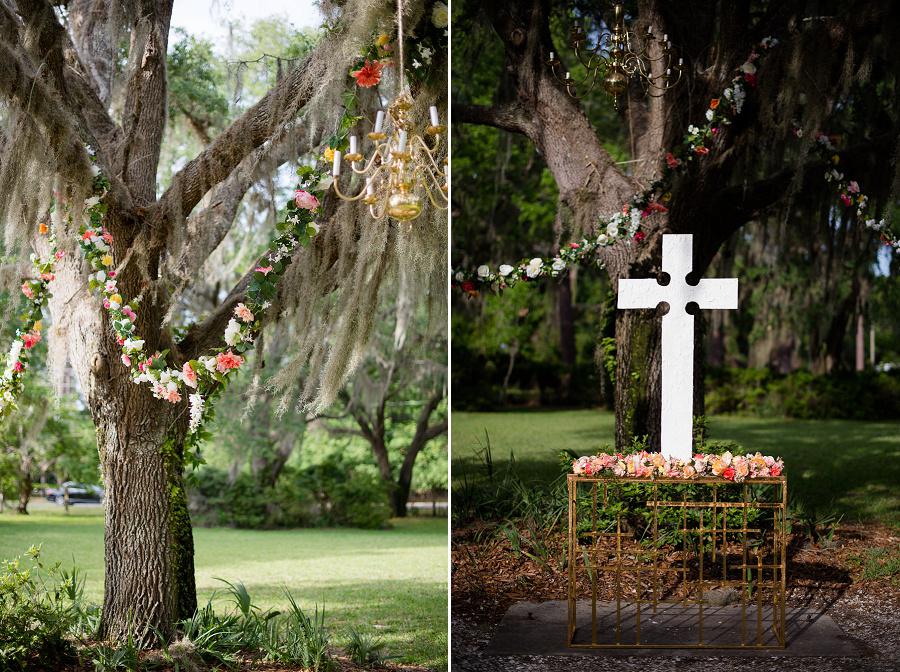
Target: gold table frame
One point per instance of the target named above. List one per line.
(629, 560)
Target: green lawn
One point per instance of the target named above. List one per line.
(394, 578)
(847, 465)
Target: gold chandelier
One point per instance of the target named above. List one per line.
(620, 57)
(402, 165)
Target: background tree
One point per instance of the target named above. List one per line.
(396, 398)
(756, 170)
(65, 84)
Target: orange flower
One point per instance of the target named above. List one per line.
(714, 103)
(44, 228)
(369, 74)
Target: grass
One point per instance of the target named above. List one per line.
(394, 578)
(847, 465)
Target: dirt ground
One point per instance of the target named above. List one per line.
(488, 576)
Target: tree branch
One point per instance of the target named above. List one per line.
(509, 117)
(230, 148)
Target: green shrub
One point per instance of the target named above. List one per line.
(35, 613)
(866, 395)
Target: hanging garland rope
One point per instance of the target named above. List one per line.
(625, 226)
(203, 378)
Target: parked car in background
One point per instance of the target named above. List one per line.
(79, 493)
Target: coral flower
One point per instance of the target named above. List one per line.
(43, 228)
(574, 246)
(228, 360)
(369, 74)
(243, 312)
(729, 473)
(671, 160)
(31, 339)
(701, 150)
(27, 290)
(714, 103)
(775, 470)
(60, 254)
(266, 270)
(126, 360)
(48, 276)
(87, 235)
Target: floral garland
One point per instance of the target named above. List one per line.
(36, 292)
(204, 376)
(642, 205)
(735, 468)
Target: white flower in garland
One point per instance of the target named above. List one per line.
(534, 268)
(233, 332)
(196, 411)
(602, 239)
(505, 269)
(612, 230)
(135, 345)
(91, 202)
(558, 265)
(483, 271)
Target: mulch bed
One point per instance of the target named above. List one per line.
(488, 576)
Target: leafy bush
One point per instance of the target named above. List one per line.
(867, 395)
(36, 613)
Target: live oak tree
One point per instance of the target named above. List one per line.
(94, 73)
(833, 70)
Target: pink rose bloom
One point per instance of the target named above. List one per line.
(243, 312)
(228, 360)
(126, 309)
(775, 470)
(853, 188)
(190, 376)
(126, 360)
(846, 199)
(60, 254)
(169, 395)
(31, 339)
(111, 274)
(619, 469)
(688, 471)
(609, 461)
(107, 236)
(674, 473)
(729, 473)
(305, 200)
(18, 367)
(27, 290)
(266, 270)
(106, 303)
(48, 276)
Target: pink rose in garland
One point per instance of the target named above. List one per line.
(27, 290)
(189, 375)
(228, 360)
(18, 368)
(305, 200)
(266, 270)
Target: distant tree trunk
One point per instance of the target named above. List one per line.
(25, 486)
(267, 468)
(860, 343)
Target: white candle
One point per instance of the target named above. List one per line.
(665, 37)
(551, 55)
(336, 169)
(668, 72)
(668, 45)
(379, 121)
(680, 61)
(567, 75)
(402, 146)
(650, 30)
(353, 144)
(434, 116)
(370, 188)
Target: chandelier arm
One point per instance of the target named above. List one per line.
(337, 189)
(436, 183)
(371, 161)
(428, 192)
(428, 153)
(373, 210)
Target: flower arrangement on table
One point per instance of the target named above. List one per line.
(694, 145)
(735, 468)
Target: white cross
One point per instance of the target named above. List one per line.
(678, 334)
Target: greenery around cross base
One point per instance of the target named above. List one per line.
(846, 466)
(393, 578)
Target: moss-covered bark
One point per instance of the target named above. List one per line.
(182, 533)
